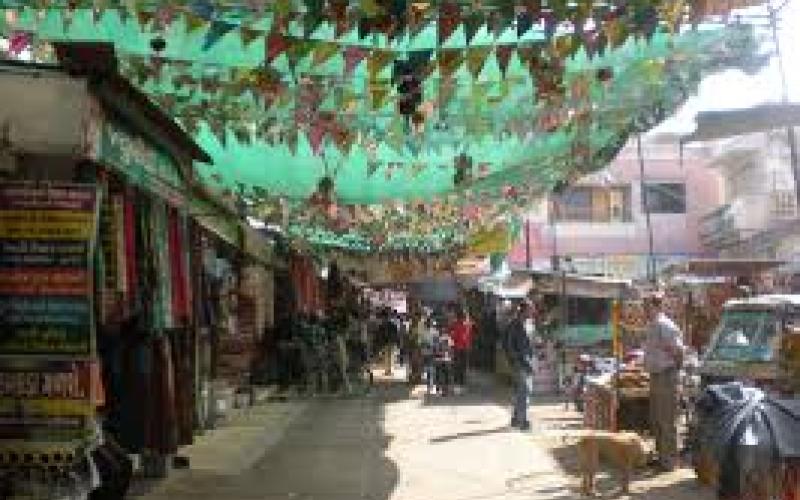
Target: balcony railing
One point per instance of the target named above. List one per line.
(783, 205)
(718, 228)
(723, 228)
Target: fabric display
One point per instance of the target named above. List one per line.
(183, 359)
(309, 297)
(177, 267)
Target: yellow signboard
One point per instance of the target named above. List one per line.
(496, 240)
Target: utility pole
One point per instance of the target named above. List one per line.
(527, 243)
(651, 267)
(773, 21)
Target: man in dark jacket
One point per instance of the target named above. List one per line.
(519, 348)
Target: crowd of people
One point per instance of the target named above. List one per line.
(434, 347)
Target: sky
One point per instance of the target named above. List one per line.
(734, 89)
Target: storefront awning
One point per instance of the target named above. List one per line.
(724, 267)
(712, 125)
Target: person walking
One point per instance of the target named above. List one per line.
(520, 352)
(389, 339)
(428, 342)
(664, 352)
(461, 333)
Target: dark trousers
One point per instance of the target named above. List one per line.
(461, 361)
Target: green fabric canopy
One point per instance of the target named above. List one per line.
(279, 105)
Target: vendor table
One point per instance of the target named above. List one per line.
(606, 408)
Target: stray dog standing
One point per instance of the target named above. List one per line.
(623, 450)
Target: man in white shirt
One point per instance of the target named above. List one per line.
(663, 358)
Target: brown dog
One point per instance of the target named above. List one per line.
(625, 451)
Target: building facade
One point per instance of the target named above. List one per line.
(758, 216)
(599, 226)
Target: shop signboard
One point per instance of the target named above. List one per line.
(49, 380)
(47, 237)
(46, 401)
(142, 163)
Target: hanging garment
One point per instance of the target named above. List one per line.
(182, 349)
(177, 270)
(129, 248)
(162, 435)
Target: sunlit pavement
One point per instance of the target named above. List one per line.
(398, 444)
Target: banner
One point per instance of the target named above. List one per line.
(490, 241)
(47, 237)
(43, 402)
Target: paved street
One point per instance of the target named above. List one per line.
(396, 445)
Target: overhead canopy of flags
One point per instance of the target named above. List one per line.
(423, 121)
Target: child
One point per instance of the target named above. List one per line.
(443, 361)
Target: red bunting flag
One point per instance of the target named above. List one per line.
(276, 45)
(352, 58)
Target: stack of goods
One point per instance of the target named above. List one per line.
(633, 388)
(633, 380)
(746, 444)
(600, 405)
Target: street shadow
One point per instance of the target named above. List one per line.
(646, 484)
(471, 434)
(335, 450)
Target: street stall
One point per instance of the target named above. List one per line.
(95, 244)
(698, 289)
(584, 316)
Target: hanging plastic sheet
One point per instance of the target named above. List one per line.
(748, 438)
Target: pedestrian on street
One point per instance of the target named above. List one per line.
(461, 333)
(521, 357)
(429, 342)
(664, 351)
(389, 339)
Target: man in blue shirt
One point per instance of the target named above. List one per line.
(519, 348)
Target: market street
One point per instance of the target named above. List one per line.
(400, 446)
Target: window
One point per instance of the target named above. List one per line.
(595, 204)
(666, 198)
(745, 336)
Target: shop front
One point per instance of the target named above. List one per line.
(103, 259)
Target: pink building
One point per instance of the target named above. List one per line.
(601, 226)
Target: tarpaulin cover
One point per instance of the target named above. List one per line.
(747, 431)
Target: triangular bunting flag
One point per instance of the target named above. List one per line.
(316, 135)
(449, 20)
(378, 95)
(472, 24)
(312, 20)
(524, 23)
(502, 19)
(503, 54)
(378, 61)
(291, 139)
(193, 22)
(324, 51)
(417, 17)
(248, 35)
(276, 45)
(216, 30)
(352, 57)
(419, 60)
(338, 14)
(476, 58)
(143, 16)
(449, 61)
